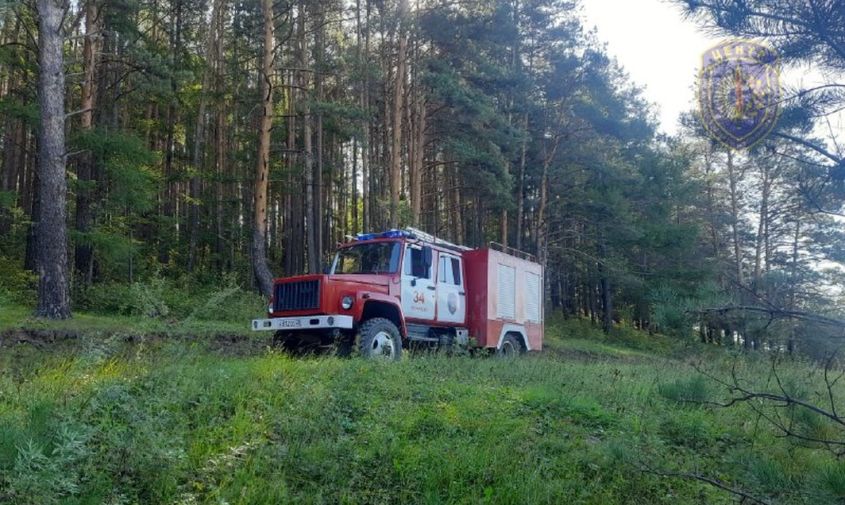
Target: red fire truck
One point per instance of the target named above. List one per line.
(387, 291)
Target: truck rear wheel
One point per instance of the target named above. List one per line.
(380, 338)
(511, 346)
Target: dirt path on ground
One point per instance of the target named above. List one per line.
(53, 339)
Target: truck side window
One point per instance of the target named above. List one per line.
(450, 270)
(456, 271)
(414, 264)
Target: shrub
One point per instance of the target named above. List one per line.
(137, 299)
(173, 299)
(560, 327)
(226, 303)
(17, 286)
(45, 475)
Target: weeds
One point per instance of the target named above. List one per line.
(692, 390)
(167, 421)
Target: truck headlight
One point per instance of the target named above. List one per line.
(346, 302)
(270, 309)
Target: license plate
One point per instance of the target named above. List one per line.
(290, 323)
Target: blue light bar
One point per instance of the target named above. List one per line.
(385, 234)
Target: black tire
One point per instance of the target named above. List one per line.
(511, 346)
(379, 338)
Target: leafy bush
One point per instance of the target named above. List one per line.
(227, 303)
(146, 299)
(573, 328)
(170, 299)
(17, 286)
(44, 476)
(636, 339)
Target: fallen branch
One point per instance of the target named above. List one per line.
(783, 400)
(707, 480)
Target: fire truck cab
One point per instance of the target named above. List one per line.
(388, 291)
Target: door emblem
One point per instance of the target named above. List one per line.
(452, 303)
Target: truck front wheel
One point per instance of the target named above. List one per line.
(380, 338)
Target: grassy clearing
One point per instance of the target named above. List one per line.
(86, 323)
(173, 422)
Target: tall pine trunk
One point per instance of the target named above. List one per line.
(262, 170)
(396, 139)
(51, 230)
(84, 254)
(418, 161)
(197, 157)
(366, 208)
(520, 190)
(319, 193)
(312, 221)
(735, 217)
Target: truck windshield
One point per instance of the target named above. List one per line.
(373, 258)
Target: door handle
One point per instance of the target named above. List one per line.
(432, 288)
(462, 293)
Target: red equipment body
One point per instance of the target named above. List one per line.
(433, 292)
(506, 294)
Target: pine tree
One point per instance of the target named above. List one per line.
(51, 231)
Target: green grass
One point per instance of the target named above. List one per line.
(21, 318)
(176, 421)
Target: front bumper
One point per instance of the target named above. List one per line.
(303, 323)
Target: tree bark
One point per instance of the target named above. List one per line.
(197, 155)
(366, 218)
(312, 221)
(51, 231)
(605, 287)
(220, 147)
(169, 209)
(263, 277)
(760, 250)
(319, 193)
(520, 192)
(418, 161)
(734, 197)
(398, 96)
(84, 254)
(541, 228)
